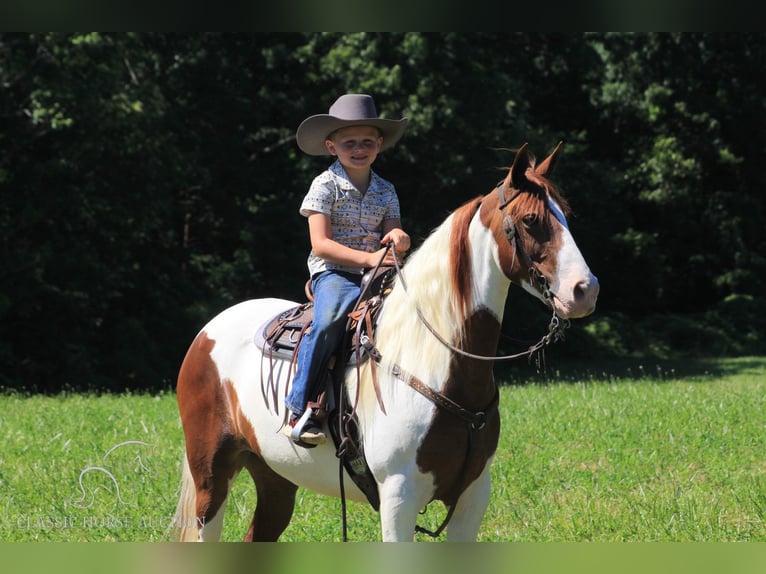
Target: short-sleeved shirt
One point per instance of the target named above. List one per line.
(356, 218)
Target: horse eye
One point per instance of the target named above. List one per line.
(530, 219)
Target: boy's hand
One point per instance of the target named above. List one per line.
(400, 240)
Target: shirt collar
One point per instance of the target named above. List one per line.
(341, 178)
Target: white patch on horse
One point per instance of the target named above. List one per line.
(490, 284)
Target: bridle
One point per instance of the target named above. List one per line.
(556, 326)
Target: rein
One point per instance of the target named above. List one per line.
(556, 326)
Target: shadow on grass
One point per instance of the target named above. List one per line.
(555, 370)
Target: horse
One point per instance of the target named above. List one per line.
(430, 428)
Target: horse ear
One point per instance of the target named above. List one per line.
(521, 163)
(546, 166)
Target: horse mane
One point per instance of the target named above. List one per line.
(460, 256)
(439, 286)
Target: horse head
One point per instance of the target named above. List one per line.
(536, 250)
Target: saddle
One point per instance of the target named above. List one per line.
(281, 337)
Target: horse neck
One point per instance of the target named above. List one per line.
(403, 337)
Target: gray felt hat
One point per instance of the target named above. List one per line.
(348, 110)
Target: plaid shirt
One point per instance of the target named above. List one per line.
(356, 218)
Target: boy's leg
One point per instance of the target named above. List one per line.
(334, 297)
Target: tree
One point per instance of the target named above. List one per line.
(149, 180)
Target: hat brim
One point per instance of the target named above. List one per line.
(313, 131)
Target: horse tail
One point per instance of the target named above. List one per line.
(185, 522)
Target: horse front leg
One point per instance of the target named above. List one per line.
(401, 498)
(471, 506)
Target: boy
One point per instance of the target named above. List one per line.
(351, 213)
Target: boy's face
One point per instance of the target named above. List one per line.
(356, 147)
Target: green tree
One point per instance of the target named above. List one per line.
(149, 180)
(685, 108)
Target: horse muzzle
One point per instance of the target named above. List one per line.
(579, 301)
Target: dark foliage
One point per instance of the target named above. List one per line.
(147, 181)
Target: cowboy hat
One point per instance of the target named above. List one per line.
(348, 110)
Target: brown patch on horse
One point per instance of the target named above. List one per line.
(207, 427)
(241, 426)
(470, 384)
(275, 505)
(541, 239)
(547, 187)
(220, 441)
(201, 403)
(460, 256)
(276, 495)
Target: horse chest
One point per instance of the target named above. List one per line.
(455, 454)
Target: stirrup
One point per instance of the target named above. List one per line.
(307, 432)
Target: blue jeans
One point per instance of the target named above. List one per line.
(335, 294)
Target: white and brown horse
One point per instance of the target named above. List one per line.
(454, 285)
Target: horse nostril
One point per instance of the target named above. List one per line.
(586, 288)
(579, 290)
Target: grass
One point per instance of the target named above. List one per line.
(86, 467)
(619, 453)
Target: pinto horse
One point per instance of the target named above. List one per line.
(441, 318)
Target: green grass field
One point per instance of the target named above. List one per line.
(620, 453)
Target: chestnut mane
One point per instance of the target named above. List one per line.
(460, 257)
